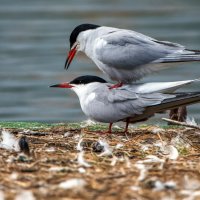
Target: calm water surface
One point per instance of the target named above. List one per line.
(34, 41)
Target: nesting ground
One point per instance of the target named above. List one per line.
(70, 162)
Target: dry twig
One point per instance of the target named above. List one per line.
(180, 123)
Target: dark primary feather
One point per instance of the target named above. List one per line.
(186, 56)
(180, 99)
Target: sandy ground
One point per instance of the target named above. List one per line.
(68, 163)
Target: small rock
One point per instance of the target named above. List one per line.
(97, 147)
(23, 145)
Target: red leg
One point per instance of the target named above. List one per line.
(127, 123)
(110, 128)
(116, 85)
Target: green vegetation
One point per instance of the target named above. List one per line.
(25, 125)
(170, 127)
(183, 151)
(96, 127)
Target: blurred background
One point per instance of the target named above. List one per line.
(34, 43)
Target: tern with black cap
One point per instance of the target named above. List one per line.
(125, 55)
(131, 102)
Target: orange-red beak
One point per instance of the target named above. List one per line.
(62, 85)
(70, 57)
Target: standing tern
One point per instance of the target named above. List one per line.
(127, 103)
(125, 55)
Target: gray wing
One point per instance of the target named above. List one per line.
(118, 104)
(124, 51)
(134, 103)
(129, 49)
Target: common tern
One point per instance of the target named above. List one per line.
(125, 55)
(130, 103)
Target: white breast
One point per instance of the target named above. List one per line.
(89, 98)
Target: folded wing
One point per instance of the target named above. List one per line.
(132, 51)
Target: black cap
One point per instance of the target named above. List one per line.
(78, 29)
(87, 79)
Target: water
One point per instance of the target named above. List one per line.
(34, 40)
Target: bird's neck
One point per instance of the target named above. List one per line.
(86, 40)
(83, 91)
(86, 94)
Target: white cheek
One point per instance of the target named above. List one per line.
(90, 98)
(79, 91)
(82, 39)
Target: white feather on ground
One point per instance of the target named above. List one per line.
(25, 195)
(157, 130)
(191, 195)
(168, 151)
(114, 161)
(171, 151)
(164, 185)
(118, 146)
(81, 160)
(128, 163)
(76, 137)
(74, 183)
(68, 134)
(87, 123)
(160, 144)
(81, 170)
(79, 147)
(117, 127)
(143, 171)
(191, 121)
(2, 196)
(50, 149)
(151, 159)
(58, 169)
(14, 176)
(107, 149)
(9, 141)
(135, 188)
(145, 147)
